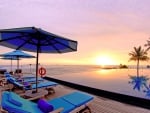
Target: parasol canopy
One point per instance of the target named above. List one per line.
(36, 40)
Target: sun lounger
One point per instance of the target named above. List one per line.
(44, 84)
(13, 81)
(72, 102)
(27, 90)
(27, 86)
(78, 100)
(48, 85)
(30, 79)
(7, 74)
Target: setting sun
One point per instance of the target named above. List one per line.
(104, 60)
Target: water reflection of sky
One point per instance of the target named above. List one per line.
(115, 80)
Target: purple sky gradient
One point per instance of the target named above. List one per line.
(101, 27)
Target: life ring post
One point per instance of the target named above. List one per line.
(42, 71)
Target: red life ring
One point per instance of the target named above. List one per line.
(42, 71)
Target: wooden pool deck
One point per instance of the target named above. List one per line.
(99, 104)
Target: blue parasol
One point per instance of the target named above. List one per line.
(17, 54)
(10, 58)
(36, 40)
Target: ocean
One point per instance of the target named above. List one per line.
(122, 81)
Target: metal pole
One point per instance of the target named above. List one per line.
(30, 68)
(37, 62)
(11, 66)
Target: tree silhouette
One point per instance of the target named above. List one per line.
(138, 55)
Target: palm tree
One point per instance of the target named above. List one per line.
(148, 44)
(137, 55)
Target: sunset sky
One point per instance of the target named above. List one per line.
(106, 30)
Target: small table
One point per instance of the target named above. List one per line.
(34, 96)
(2, 81)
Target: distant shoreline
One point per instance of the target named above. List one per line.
(107, 67)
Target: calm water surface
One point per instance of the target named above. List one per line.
(114, 80)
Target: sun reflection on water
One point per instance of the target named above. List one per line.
(103, 71)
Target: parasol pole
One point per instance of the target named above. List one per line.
(17, 64)
(37, 62)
